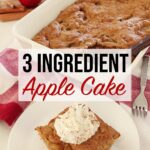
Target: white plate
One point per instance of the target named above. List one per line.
(24, 137)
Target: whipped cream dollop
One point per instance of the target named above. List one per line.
(77, 124)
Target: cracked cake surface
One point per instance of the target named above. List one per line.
(98, 24)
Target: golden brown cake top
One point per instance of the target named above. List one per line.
(102, 140)
(98, 24)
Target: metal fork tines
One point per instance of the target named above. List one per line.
(140, 105)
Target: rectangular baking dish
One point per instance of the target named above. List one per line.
(25, 29)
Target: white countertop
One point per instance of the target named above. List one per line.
(4, 134)
(6, 35)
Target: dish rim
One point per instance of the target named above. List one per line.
(35, 103)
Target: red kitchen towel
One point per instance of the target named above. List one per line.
(11, 108)
(136, 86)
(136, 90)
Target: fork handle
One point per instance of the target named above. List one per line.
(144, 71)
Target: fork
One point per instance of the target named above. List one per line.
(140, 105)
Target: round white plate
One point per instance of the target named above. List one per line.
(24, 137)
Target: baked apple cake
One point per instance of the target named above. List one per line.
(78, 128)
(98, 24)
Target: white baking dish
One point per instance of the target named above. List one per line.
(27, 27)
(32, 23)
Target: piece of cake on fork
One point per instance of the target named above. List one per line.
(78, 128)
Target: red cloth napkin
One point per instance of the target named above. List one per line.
(11, 108)
(136, 90)
(136, 87)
